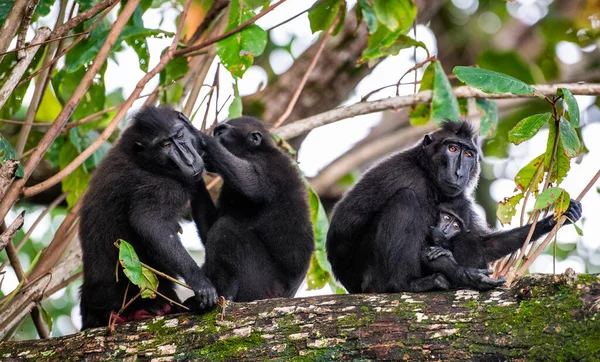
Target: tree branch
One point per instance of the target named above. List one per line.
(503, 324)
(305, 125)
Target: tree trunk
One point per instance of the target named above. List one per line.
(537, 319)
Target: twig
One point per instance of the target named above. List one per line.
(312, 65)
(62, 52)
(45, 42)
(25, 20)
(50, 207)
(305, 125)
(18, 70)
(229, 33)
(166, 276)
(8, 234)
(214, 11)
(11, 24)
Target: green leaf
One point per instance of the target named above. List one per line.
(507, 62)
(76, 182)
(528, 127)
(549, 197)
(15, 100)
(395, 15)
(493, 82)
(421, 114)
(148, 284)
(132, 268)
(443, 103)
(577, 228)
(507, 208)
(323, 14)
(572, 106)
(47, 318)
(235, 108)
(387, 47)
(569, 138)
(525, 177)
(562, 163)
(237, 52)
(365, 9)
(561, 204)
(5, 7)
(49, 108)
(7, 152)
(316, 277)
(489, 119)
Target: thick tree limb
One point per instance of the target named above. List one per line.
(7, 174)
(536, 320)
(305, 125)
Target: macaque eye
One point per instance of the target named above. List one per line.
(446, 218)
(179, 136)
(166, 145)
(456, 226)
(453, 148)
(468, 154)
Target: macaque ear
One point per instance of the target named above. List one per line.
(427, 140)
(255, 138)
(184, 118)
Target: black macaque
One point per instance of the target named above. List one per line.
(377, 240)
(139, 193)
(449, 225)
(260, 239)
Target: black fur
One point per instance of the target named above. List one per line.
(261, 243)
(138, 194)
(377, 240)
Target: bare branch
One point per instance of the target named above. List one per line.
(21, 67)
(7, 174)
(307, 124)
(8, 234)
(11, 24)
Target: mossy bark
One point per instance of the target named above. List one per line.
(540, 318)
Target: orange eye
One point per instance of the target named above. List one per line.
(468, 154)
(453, 148)
(166, 145)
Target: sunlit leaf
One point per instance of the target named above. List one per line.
(148, 283)
(237, 52)
(525, 177)
(507, 208)
(489, 119)
(549, 197)
(506, 62)
(383, 49)
(316, 277)
(493, 82)
(235, 108)
(132, 268)
(528, 127)
(323, 14)
(572, 106)
(562, 162)
(420, 114)
(561, 204)
(395, 15)
(569, 138)
(443, 103)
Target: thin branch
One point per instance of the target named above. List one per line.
(17, 71)
(11, 24)
(214, 12)
(307, 124)
(7, 235)
(304, 79)
(229, 33)
(166, 57)
(44, 42)
(50, 207)
(25, 20)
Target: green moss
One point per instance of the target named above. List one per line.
(587, 278)
(232, 347)
(552, 325)
(364, 308)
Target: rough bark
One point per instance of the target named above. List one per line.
(537, 319)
